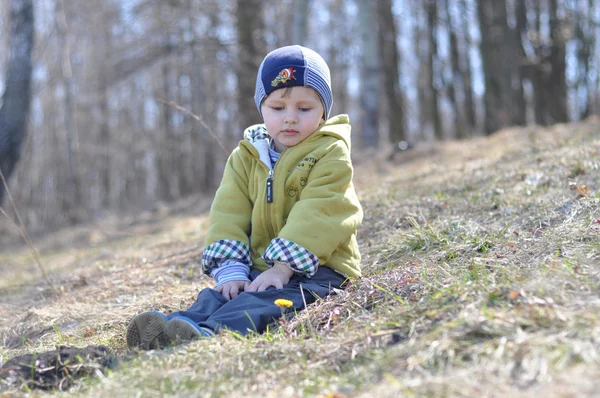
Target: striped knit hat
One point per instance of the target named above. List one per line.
(294, 66)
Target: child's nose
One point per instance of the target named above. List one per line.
(291, 117)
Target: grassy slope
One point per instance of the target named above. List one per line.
(482, 277)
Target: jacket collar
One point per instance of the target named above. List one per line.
(261, 141)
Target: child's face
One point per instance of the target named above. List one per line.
(292, 115)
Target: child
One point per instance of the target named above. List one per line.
(284, 219)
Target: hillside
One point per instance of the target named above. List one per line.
(481, 268)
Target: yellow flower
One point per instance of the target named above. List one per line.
(283, 303)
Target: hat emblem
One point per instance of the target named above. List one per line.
(283, 76)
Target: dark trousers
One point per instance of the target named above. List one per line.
(254, 311)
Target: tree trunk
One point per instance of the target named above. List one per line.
(300, 25)
(389, 69)
(72, 196)
(369, 74)
(513, 46)
(16, 100)
(556, 83)
(170, 184)
(526, 66)
(585, 43)
(539, 90)
(251, 51)
(494, 53)
(433, 61)
(591, 84)
(471, 118)
(423, 88)
(105, 142)
(457, 76)
(339, 59)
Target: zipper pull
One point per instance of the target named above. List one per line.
(270, 187)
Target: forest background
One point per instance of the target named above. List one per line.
(104, 133)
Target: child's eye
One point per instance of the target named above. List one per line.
(305, 109)
(277, 108)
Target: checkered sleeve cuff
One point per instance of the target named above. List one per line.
(222, 250)
(295, 256)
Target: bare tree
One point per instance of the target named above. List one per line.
(339, 58)
(300, 24)
(432, 62)
(17, 95)
(465, 62)
(557, 60)
(251, 50)
(73, 198)
(495, 51)
(457, 77)
(369, 74)
(390, 60)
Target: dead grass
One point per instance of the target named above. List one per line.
(482, 278)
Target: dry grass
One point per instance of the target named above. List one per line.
(482, 278)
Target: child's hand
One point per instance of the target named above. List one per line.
(231, 289)
(276, 276)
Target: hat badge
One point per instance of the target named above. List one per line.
(284, 76)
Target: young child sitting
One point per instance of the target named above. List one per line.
(284, 220)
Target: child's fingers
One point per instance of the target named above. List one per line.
(251, 287)
(225, 294)
(233, 293)
(261, 287)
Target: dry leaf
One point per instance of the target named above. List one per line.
(513, 294)
(90, 332)
(583, 191)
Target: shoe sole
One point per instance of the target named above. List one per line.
(178, 330)
(146, 331)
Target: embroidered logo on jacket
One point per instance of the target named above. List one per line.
(292, 191)
(307, 163)
(283, 76)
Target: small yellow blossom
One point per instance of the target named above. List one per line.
(283, 303)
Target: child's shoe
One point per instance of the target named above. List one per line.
(181, 328)
(146, 331)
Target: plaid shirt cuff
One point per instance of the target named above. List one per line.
(299, 259)
(222, 250)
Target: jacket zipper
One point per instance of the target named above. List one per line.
(269, 195)
(269, 201)
(270, 186)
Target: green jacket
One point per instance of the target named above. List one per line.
(314, 214)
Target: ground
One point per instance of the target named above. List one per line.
(481, 265)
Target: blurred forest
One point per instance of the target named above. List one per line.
(103, 135)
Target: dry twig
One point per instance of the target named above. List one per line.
(198, 118)
(24, 234)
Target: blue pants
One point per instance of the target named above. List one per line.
(254, 311)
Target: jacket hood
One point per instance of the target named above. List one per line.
(337, 126)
